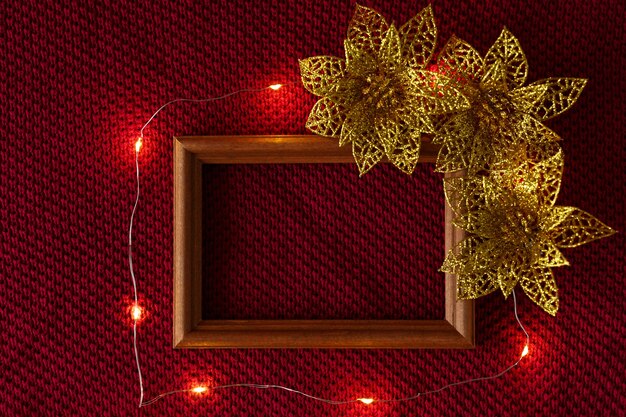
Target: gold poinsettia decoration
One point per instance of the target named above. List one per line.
(380, 97)
(516, 231)
(504, 125)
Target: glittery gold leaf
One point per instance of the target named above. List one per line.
(539, 181)
(468, 143)
(437, 93)
(320, 73)
(525, 98)
(539, 286)
(512, 265)
(352, 52)
(355, 126)
(549, 255)
(453, 156)
(419, 37)
(508, 50)
(494, 74)
(459, 59)
(464, 194)
(556, 217)
(560, 95)
(326, 118)
(391, 50)
(406, 155)
(388, 134)
(472, 222)
(578, 228)
(367, 30)
(475, 284)
(550, 173)
(375, 99)
(412, 115)
(366, 154)
(455, 135)
(474, 279)
(533, 131)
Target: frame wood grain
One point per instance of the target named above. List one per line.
(190, 331)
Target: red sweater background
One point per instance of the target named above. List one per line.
(79, 80)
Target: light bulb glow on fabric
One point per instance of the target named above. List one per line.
(366, 400)
(136, 312)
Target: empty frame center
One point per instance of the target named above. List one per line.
(316, 242)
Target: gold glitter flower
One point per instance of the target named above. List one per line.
(503, 125)
(380, 97)
(516, 231)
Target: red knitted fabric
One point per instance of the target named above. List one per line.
(79, 80)
(318, 242)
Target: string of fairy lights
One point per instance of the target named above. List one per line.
(137, 311)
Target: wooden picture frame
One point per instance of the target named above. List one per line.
(190, 331)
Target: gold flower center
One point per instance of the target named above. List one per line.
(520, 227)
(495, 102)
(382, 89)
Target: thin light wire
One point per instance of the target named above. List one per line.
(165, 394)
(132, 220)
(469, 381)
(143, 403)
(389, 400)
(207, 100)
(132, 274)
(280, 387)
